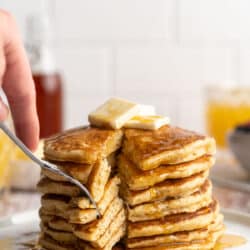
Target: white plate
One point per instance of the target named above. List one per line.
(27, 224)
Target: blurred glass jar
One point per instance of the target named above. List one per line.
(6, 154)
(26, 173)
(225, 109)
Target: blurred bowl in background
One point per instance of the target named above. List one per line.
(239, 142)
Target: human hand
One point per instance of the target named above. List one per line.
(17, 83)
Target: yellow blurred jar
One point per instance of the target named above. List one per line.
(225, 109)
(6, 153)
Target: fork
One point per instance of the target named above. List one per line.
(49, 166)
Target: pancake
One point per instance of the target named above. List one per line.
(46, 186)
(183, 236)
(94, 230)
(56, 203)
(75, 217)
(137, 179)
(110, 245)
(59, 205)
(158, 209)
(206, 244)
(165, 189)
(81, 215)
(48, 243)
(78, 171)
(45, 213)
(119, 221)
(59, 236)
(98, 179)
(96, 182)
(110, 192)
(57, 223)
(174, 223)
(167, 145)
(83, 145)
(45, 218)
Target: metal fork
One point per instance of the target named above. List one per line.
(49, 166)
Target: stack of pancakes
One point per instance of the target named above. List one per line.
(165, 184)
(68, 219)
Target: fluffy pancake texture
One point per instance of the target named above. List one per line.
(97, 179)
(167, 188)
(92, 231)
(174, 223)
(137, 179)
(182, 236)
(204, 244)
(167, 145)
(185, 204)
(46, 186)
(48, 243)
(83, 145)
(110, 192)
(78, 171)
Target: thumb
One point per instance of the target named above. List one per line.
(3, 110)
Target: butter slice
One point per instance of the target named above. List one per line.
(152, 122)
(114, 113)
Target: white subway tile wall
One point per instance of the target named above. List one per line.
(160, 52)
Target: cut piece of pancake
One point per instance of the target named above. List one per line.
(165, 189)
(110, 192)
(59, 236)
(174, 223)
(77, 216)
(138, 179)
(47, 186)
(119, 221)
(96, 182)
(167, 145)
(98, 179)
(110, 245)
(59, 205)
(183, 236)
(48, 243)
(83, 145)
(158, 209)
(94, 230)
(78, 171)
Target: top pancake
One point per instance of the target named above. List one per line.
(167, 145)
(83, 145)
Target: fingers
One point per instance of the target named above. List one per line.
(19, 87)
(3, 111)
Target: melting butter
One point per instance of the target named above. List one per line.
(230, 240)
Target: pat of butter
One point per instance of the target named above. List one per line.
(152, 122)
(114, 113)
